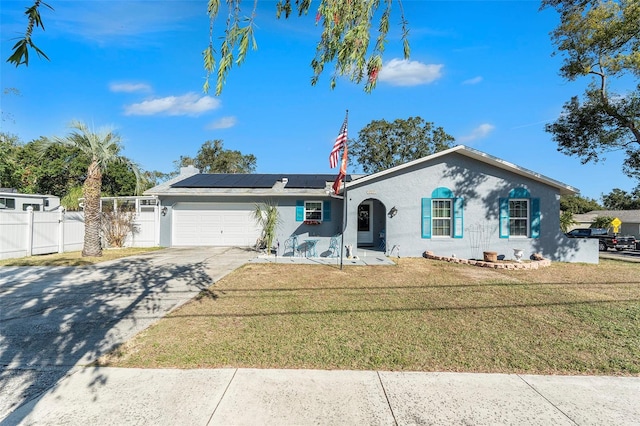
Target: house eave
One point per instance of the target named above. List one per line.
(237, 192)
(21, 195)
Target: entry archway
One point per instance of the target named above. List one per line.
(371, 222)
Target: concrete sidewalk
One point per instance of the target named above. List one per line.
(114, 396)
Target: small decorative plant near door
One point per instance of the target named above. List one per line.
(268, 217)
(116, 226)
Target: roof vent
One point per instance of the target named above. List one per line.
(285, 180)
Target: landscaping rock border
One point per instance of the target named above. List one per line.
(534, 264)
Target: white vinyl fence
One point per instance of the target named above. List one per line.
(31, 233)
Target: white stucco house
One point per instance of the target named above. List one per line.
(12, 200)
(456, 202)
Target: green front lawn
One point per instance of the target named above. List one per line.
(420, 315)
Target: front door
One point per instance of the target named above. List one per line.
(365, 222)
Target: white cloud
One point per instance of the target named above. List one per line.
(189, 104)
(129, 87)
(479, 132)
(223, 123)
(402, 72)
(128, 23)
(474, 80)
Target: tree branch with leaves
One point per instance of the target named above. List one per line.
(599, 39)
(20, 53)
(344, 40)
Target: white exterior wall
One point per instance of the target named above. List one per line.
(20, 199)
(481, 186)
(287, 227)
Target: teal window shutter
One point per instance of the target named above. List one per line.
(504, 218)
(458, 222)
(326, 210)
(442, 192)
(519, 193)
(426, 218)
(299, 210)
(535, 218)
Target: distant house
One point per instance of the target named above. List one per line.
(456, 202)
(11, 200)
(630, 220)
(134, 204)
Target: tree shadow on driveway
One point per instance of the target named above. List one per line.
(54, 318)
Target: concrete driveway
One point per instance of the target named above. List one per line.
(54, 319)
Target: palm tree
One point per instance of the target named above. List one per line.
(102, 148)
(566, 221)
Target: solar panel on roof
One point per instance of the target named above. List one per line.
(308, 181)
(228, 181)
(219, 180)
(312, 181)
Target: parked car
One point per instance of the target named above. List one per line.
(606, 240)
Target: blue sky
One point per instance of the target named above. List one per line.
(483, 70)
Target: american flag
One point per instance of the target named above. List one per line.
(341, 141)
(343, 171)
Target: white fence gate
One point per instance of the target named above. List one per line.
(30, 233)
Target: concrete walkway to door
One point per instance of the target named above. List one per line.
(362, 256)
(54, 319)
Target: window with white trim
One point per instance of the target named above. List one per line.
(8, 203)
(441, 212)
(519, 217)
(313, 210)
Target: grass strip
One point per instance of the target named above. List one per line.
(75, 258)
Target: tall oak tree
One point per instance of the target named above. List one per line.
(601, 40)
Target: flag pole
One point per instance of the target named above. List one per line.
(344, 209)
(341, 142)
(344, 221)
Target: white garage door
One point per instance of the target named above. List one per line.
(214, 224)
